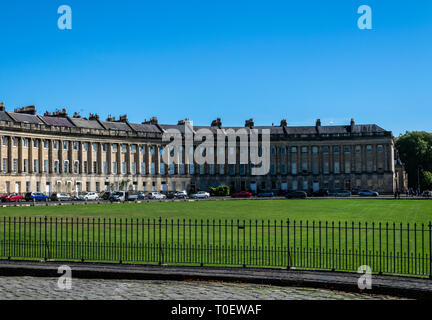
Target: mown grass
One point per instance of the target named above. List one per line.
(356, 210)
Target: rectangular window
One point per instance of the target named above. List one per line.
(95, 167)
(242, 169)
(114, 147)
(201, 169)
(85, 167)
(76, 145)
(273, 169)
(283, 150)
(105, 167)
(56, 166)
(347, 150)
(4, 141)
(347, 167)
(45, 166)
(123, 170)
(380, 148)
(104, 147)
(133, 148)
(336, 150)
(326, 167)
(293, 149)
(182, 168)
(114, 167)
(304, 166)
(85, 146)
(336, 167)
(171, 168)
(55, 144)
(142, 150)
(36, 143)
(152, 168)
(4, 166)
(294, 185)
(66, 166)
(325, 150)
(191, 168)
(143, 168)
(231, 169)
(283, 168)
(15, 165)
(357, 149)
(133, 167)
(25, 165)
(293, 168)
(95, 147)
(123, 148)
(25, 141)
(314, 150)
(14, 141)
(211, 169)
(315, 167)
(221, 169)
(66, 145)
(305, 185)
(304, 150)
(45, 144)
(162, 168)
(36, 166)
(368, 148)
(76, 166)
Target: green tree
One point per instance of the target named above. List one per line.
(415, 151)
(427, 180)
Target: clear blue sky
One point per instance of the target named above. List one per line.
(267, 60)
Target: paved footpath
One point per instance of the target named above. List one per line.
(282, 281)
(29, 288)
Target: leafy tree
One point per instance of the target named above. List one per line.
(415, 151)
(427, 180)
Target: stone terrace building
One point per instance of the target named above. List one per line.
(58, 153)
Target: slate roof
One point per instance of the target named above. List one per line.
(145, 127)
(116, 125)
(25, 118)
(87, 124)
(57, 121)
(4, 116)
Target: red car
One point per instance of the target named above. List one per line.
(242, 194)
(13, 197)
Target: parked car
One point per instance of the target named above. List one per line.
(181, 195)
(169, 194)
(296, 195)
(89, 196)
(117, 196)
(60, 197)
(36, 196)
(141, 195)
(242, 194)
(340, 193)
(266, 194)
(368, 193)
(200, 195)
(131, 196)
(320, 193)
(156, 196)
(105, 195)
(12, 197)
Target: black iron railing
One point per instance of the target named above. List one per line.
(386, 247)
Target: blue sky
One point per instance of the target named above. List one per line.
(267, 60)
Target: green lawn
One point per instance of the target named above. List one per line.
(389, 235)
(357, 210)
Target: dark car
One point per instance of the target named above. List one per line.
(131, 196)
(105, 195)
(296, 195)
(170, 194)
(141, 196)
(266, 194)
(320, 193)
(242, 194)
(36, 196)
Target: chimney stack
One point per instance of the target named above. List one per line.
(27, 110)
(249, 123)
(217, 123)
(110, 119)
(2, 106)
(123, 118)
(76, 115)
(352, 124)
(318, 123)
(283, 123)
(93, 116)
